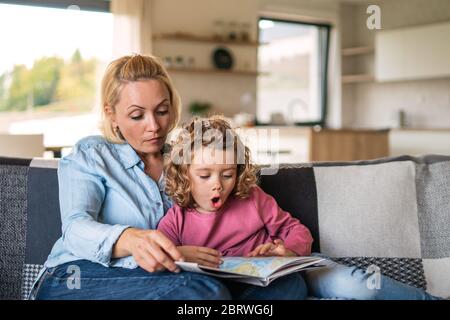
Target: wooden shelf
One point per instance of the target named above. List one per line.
(354, 78)
(216, 71)
(358, 51)
(192, 38)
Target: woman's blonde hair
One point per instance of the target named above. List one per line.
(198, 134)
(127, 69)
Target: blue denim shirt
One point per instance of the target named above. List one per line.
(103, 190)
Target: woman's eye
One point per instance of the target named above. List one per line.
(162, 113)
(227, 177)
(136, 117)
(204, 177)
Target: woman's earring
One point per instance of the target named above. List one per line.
(117, 132)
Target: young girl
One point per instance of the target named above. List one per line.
(217, 204)
(220, 211)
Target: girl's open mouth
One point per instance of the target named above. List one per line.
(216, 202)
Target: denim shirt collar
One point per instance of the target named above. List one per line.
(128, 155)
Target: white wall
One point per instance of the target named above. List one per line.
(426, 102)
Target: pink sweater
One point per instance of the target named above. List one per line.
(238, 227)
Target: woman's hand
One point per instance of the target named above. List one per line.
(151, 249)
(275, 248)
(201, 255)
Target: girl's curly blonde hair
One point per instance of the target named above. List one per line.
(202, 132)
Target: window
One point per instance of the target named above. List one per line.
(50, 69)
(292, 60)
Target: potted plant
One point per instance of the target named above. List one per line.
(198, 108)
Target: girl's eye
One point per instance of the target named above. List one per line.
(204, 177)
(227, 177)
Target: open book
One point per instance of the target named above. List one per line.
(259, 271)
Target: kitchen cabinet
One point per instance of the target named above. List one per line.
(417, 141)
(300, 144)
(420, 52)
(348, 144)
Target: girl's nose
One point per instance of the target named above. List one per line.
(217, 186)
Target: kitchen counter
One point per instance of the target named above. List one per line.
(419, 141)
(422, 129)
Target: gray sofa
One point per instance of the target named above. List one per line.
(393, 213)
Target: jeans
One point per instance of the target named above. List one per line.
(290, 287)
(336, 281)
(332, 281)
(103, 283)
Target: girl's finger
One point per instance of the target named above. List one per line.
(208, 263)
(267, 247)
(209, 251)
(258, 249)
(251, 254)
(209, 258)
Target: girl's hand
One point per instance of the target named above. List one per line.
(275, 248)
(201, 255)
(151, 249)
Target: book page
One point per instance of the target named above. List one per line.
(259, 267)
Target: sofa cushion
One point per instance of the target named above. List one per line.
(43, 215)
(433, 200)
(13, 209)
(30, 221)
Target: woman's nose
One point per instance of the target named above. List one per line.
(152, 124)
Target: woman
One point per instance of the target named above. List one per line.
(111, 199)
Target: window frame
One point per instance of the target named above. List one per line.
(323, 68)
